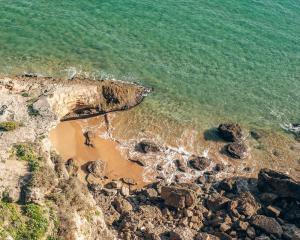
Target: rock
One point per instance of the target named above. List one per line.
(128, 181)
(151, 192)
(230, 132)
(88, 135)
(273, 211)
(125, 191)
(291, 232)
(181, 165)
(11, 195)
(247, 205)
(224, 227)
(206, 236)
(71, 167)
(97, 168)
(146, 147)
(237, 150)
(268, 198)
(200, 163)
(138, 161)
(122, 205)
(251, 232)
(267, 224)
(278, 183)
(219, 167)
(255, 134)
(178, 197)
(216, 202)
(114, 184)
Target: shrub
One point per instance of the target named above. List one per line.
(25, 94)
(25, 152)
(37, 222)
(8, 126)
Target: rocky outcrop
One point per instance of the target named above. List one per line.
(237, 150)
(230, 132)
(76, 99)
(97, 168)
(278, 183)
(267, 224)
(178, 197)
(146, 147)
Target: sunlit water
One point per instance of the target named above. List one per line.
(208, 61)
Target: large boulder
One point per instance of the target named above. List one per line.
(97, 168)
(268, 224)
(278, 183)
(178, 196)
(200, 163)
(230, 132)
(237, 150)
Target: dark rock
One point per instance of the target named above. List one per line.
(138, 161)
(109, 95)
(230, 132)
(247, 205)
(219, 167)
(268, 198)
(181, 165)
(278, 183)
(251, 232)
(129, 181)
(97, 168)
(146, 147)
(88, 135)
(255, 134)
(267, 224)
(71, 167)
(200, 163)
(178, 197)
(237, 150)
(122, 205)
(216, 202)
(2, 109)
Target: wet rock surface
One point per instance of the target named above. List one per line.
(230, 132)
(146, 147)
(237, 150)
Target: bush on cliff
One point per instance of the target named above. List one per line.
(8, 126)
(25, 152)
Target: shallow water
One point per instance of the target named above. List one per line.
(208, 61)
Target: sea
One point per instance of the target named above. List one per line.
(207, 61)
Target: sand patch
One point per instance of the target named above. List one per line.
(68, 140)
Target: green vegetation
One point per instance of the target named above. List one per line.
(8, 126)
(37, 223)
(25, 152)
(25, 94)
(22, 223)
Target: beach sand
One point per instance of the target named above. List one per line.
(68, 140)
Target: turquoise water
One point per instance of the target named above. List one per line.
(208, 61)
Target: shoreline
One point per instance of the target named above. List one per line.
(111, 183)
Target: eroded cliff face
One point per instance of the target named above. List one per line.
(37, 105)
(74, 99)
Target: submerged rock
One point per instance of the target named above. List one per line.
(146, 147)
(97, 168)
(230, 132)
(200, 163)
(278, 183)
(237, 150)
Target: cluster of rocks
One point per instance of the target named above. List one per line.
(267, 207)
(232, 132)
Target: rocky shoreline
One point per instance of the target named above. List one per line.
(206, 205)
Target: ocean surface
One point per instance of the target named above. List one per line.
(208, 61)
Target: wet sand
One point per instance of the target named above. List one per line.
(69, 141)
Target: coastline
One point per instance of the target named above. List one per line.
(124, 171)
